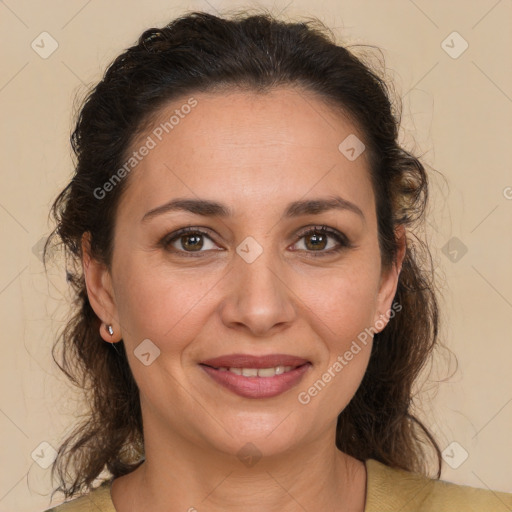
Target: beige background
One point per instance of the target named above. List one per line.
(457, 113)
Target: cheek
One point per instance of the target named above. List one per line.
(341, 311)
(344, 301)
(159, 305)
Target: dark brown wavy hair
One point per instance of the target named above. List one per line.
(253, 52)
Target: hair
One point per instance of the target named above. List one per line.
(200, 52)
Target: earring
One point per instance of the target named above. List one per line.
(110, 330)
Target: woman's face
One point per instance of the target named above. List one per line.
(251, 285)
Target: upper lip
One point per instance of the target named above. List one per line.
(250, 361)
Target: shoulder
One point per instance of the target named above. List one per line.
(390, 489)
(95, 500)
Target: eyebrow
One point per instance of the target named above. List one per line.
(208, 208)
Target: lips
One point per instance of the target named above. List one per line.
(256, 376)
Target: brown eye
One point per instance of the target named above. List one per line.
(188, 240)
(322, 240)
(316, 241)
(191, 242)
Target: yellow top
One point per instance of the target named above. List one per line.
(387, 490)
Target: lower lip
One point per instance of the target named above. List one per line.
(257, 387)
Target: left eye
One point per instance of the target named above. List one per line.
(317, 240)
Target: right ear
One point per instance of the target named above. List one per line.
(100, 291)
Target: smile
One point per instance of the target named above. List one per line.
(257, 372)
(256, 376)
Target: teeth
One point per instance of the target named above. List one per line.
(268, 372)
(258, 372)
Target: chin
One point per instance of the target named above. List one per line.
(257, 435)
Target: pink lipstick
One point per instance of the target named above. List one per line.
(256, 376)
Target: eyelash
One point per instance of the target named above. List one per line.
(342, 240)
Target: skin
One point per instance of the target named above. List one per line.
(255, 154)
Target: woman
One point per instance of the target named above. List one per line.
(253, 309)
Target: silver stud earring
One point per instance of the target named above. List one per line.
(110, 330)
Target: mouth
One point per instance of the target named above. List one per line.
(256, 376)
(256, 372)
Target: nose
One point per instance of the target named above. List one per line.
(257, 299)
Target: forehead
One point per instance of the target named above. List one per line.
(248, 148)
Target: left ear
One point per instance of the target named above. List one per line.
(389, 280)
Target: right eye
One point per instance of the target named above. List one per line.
(188, 241)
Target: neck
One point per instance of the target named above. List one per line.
(181, 476)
